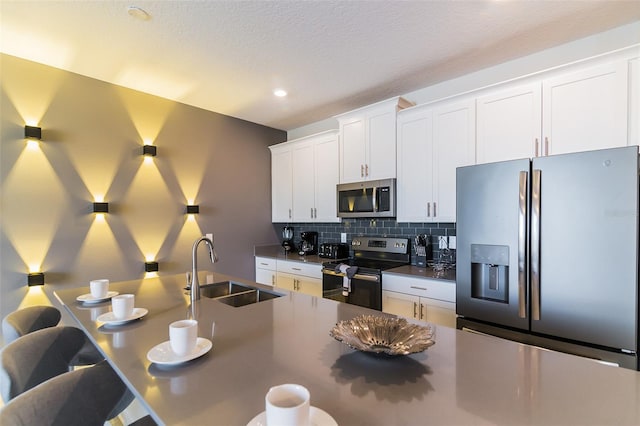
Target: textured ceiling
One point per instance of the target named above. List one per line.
(331, 56)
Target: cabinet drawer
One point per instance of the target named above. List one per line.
(298, 268)
(433, 289)
(266, 263)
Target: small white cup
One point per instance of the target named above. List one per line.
(122, 305)
(99, 288)
(287, 405)
(183, 336)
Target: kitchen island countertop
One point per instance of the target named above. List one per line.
(463, 379)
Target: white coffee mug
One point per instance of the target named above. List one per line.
(287, 405)
(183, 336)
(122, 305)
(99, 288)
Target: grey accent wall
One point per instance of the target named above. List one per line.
(93, 134)
(331, 232)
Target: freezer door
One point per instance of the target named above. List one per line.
(588, 288)
(492, 239)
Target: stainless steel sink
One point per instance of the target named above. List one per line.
(221, 289)
(236, 295)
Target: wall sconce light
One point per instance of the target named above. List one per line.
(149, 150)
(193, 209)
(35, 278)
(100, 208)
(32, 132)
(151, 266)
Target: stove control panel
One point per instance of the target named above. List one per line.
(381, 244)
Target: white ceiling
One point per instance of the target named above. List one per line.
(331, 56)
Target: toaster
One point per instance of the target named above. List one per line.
(334, 250)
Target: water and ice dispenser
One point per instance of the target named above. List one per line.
(490, 272)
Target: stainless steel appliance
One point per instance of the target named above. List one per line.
(547, 252)
(333, 250)
(373, 198)
(287, 239)
(358, 280)
(309, 243)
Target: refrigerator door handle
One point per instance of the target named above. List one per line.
(523, 207)
(535, 245)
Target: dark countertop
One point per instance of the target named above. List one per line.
(422, 272)
(277, 252)
(464, 379)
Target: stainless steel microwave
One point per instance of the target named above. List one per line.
(372, 198)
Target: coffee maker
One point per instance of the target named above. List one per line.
(309, 243)
(287, 239)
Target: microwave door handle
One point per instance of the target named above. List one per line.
(374, 199)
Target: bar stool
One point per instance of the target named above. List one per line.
(33, 318)
(87, 396)
(37, 357)
(27, 320)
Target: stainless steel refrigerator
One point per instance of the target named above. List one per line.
(548, 252)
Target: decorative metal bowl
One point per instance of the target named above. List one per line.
(384, 335)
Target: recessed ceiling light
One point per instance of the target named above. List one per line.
(281, 93)
(138, 13)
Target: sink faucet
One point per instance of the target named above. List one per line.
(195, 284)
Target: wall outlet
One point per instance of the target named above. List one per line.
(442, 242)
(209, 236)
(343, 237)
(452, 242)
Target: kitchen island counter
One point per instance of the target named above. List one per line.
(463, 379)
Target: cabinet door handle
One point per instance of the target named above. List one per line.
(434, 209)
(366, 170)
(315, 213)
(273, 280)
(428, 209)
(419, 288)
(311, 212)
(264, 264)
(296, 269)
(361, 170)
(537, 146)
(421, 311)
(289, 213)
(546, 146)
(415, 309)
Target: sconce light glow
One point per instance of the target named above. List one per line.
(281, 93)
(32, 145)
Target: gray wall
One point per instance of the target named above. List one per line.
(93, 134)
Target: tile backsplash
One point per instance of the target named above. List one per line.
(331, 232)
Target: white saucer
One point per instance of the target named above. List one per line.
(318, 417)
(110, 319)
(162, 354)
(88, 298)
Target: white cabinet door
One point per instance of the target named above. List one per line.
(454, 129)
(311, 286)
(401, 304)
(381, 162)
(509, 124)
(585, 110)
(327, 173)
(414, 181)
(303, 182)
(634, 102)
(438, 312)
(265, 276)
(352, 149)
(281, 184)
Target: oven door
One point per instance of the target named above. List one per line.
(366, 289)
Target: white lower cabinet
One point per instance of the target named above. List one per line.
(266, 271)
(423, 299)
(303, 277)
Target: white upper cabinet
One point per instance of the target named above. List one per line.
(509, 123)
(368, 141)
(634, 101)
(304, 178)
(580, 110)
(432, 141)
(281, 183)
(585, 110)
